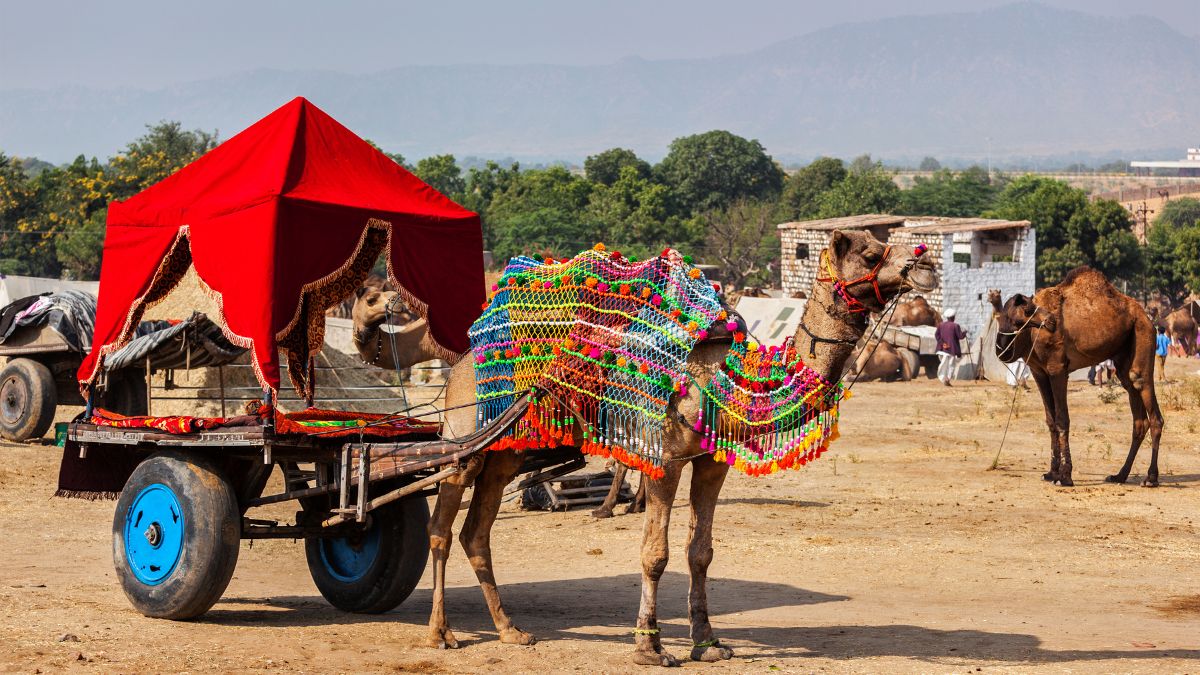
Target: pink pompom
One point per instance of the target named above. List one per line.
(547, 284)
(495, 287)
(481, 359)
(595, 353)
(656, 300)
(731, 326)
(602, 287)
(704, 444)
(701, 334)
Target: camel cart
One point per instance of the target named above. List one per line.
(280, 222)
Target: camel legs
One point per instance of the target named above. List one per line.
(638, 503)
(1062, 422)
(660, 494)
(707, 478)
(450, 492)
(1048, 405)
(605, 510)
(498, 469)
(1143, 405)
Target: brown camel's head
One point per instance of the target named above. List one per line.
(855, 254)
(373, 307)
(1016, 324)
(994, 300)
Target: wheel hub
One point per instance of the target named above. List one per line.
(12, 400)
(154, 534)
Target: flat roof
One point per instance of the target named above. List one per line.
(927, 224)
(844, 223)
(1168, 164)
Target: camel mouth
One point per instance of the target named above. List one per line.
(922, 277)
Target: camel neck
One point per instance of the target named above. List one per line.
(825, 316)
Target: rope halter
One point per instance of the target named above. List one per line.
(839, 286)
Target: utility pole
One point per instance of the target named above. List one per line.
(1142, 215)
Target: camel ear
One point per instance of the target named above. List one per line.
(1018, 300)
(839, 244)
(360, 291)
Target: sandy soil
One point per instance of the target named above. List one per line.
(898, 552)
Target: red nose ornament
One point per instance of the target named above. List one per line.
(919, 250)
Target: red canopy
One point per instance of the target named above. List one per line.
(282, 221)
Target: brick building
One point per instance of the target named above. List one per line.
(972, 255)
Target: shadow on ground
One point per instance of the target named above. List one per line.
(555, 610)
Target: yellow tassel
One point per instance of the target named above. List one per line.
(719, 456)
(774, 466)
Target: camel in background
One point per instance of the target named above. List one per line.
(403, 347)
(1179, 324)
(852, 255)
(1077, 324)
(884, 362)
(915, 312)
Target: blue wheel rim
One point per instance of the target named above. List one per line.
(348, 559)
(154, 529)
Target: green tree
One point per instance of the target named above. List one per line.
(164, 149)
(1187, 252)
(945, 193)
(634, 215)
(712, 170)
(865, 189)
(78, 249)
(802, 189)
(1102, 230)
(606, 167)
(1049, 206)
(929, 164)
(743, 241)
(443, 174)
(540, 211)
(1179, 213)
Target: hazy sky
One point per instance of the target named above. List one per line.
(144, 43)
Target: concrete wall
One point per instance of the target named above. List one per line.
(965, 288)
(799, 274)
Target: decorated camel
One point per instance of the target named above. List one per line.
(401, 348)
(709, 419)
(1077, 324)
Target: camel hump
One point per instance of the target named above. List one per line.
(1086, 277)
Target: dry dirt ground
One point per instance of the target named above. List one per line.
(900, 551)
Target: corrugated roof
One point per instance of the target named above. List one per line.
(929, 225)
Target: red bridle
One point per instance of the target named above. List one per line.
(839, 287)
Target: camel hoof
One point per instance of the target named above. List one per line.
(712, 653)
(443, 638)
(1049, 476)
(602, 512)
(1150, 482)
(653, 658)
(516, 636)
(1116, 478)
(1066, 482)
(634, 507)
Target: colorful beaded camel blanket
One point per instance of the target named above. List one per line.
(603, 340)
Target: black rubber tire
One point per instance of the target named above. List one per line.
(211, 536)
(28, 399)
(126, 394)
(396, 569)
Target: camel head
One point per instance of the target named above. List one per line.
(373, 306)
(994, 299)
(1016, 323)
(854, 254)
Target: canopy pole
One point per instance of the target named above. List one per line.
(91, 403)
(149, 387)
(221, 384)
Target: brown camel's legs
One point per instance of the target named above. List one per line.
(707, 478)
(660, 494)
(1062, 420)
(440, 525)
(1047, 392)
(1143, 405)
(638, 503)
(498, 470)
(605, 510)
